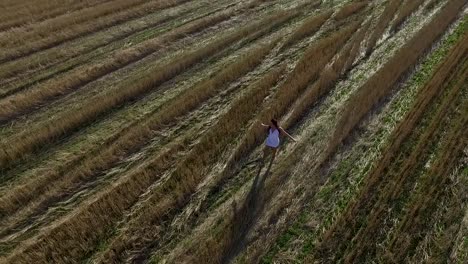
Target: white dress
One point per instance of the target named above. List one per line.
(273, 138)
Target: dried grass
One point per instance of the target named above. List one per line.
(43, 192)
(36, 37)
(382, 24)
(176, 191)
(107, 207)
(22, 102)
(309, 27)
(431, 5)
(408, 8)
(418, 213)
(365, 238)
(385, 78)
(328, 77)
(19, 146)
(344, 226)
(16, 16)
(350, 9)
(307, 70)
(218, 245)
(76, 234)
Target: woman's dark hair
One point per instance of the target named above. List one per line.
(275, 122)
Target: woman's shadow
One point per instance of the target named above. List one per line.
(245, 215)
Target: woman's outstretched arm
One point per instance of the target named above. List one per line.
(287, 134)
(264, 125)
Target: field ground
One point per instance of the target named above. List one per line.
(130, 131)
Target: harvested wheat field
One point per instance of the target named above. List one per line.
(131, 131)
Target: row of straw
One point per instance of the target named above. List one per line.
(384, 79)
(19, 146)
(37, 37)
(101, 211)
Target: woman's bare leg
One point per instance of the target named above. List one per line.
(273, 155)
(265, 154)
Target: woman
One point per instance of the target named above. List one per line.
(272, 142)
